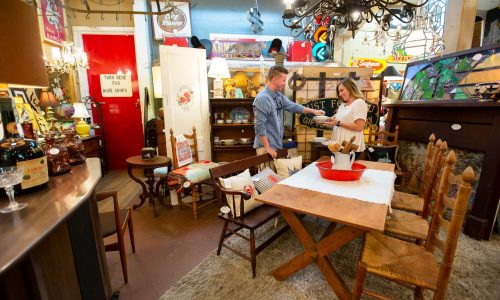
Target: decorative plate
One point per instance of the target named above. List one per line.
(239, 113)
(185, 97)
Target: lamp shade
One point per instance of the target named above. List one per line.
(218, 68)
(21, 55)
(81, 111)
(389, 71)
(48, 99)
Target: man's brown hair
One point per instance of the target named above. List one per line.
(275, 71)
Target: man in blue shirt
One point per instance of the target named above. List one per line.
(268, 109)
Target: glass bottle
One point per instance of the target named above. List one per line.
(19, 152)
(57, 156)
(75, 147)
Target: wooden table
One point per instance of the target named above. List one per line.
(148, 191)
(356, 216)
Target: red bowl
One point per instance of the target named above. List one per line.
(326, 171)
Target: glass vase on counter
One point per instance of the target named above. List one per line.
(75, 147)
(57, 156)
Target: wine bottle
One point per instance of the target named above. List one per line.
(17, 151)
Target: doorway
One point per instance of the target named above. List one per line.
(110, 55)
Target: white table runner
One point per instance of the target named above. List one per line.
(374, 186)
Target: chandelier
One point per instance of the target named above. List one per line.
(67, 59)
(301, 17)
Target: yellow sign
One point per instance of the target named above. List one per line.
(398, 59)
(378, 65)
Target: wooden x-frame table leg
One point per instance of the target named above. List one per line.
(317, 252)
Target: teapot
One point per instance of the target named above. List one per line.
(343, 161)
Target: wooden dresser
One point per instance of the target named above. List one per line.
(92, 147)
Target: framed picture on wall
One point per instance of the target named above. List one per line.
(177, 22)
(52, 22)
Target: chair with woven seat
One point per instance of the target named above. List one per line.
(408, 224)
(250, 220)
(416, 266)
(189, 174)
(117, 222)
(411, 202)
(382, 146)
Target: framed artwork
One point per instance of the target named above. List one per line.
(175, 23)
(25, 102)
(52, 21)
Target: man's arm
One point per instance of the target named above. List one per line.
(269, 149)
(299, 109)
(315, 112)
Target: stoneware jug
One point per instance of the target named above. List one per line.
(341, 161)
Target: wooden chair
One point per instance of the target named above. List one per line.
(414, 226)
(416, 266)
(411, 202)
(192, 188)
(384, 142)
(116, 222)
(251, 220)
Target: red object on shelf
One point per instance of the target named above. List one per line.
(176, 41)
(299, 51)
(326, 171)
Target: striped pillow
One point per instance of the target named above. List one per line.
(265, 180)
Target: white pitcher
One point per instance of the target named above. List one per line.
(343, 161)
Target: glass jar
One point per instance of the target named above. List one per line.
(57, 156)
(75, 147)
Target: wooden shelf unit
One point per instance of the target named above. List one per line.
(222, 153)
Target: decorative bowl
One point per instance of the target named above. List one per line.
(244, 121)
(245, 141)
(326, 171)
(228, 142)
(229, 121)
(320, 119)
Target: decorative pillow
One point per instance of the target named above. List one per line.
(184, 155)
(240, 182)
(386, 154)
(287, 167)
(265, 180)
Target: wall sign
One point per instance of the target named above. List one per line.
(330, 106)
(398, 59)
(175, 23)
(378, 65)
(116, 85)
(53, 21)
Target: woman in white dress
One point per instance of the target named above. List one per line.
(350, 118)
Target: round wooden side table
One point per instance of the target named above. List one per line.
(136, 162)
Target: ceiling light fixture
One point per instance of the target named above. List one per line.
(300, 17)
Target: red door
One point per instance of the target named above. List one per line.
(121, 116)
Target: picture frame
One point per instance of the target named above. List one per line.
(52, 22)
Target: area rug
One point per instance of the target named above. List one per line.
(476, 272)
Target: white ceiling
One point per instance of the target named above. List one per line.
(487, 4)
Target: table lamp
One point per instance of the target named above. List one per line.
(48, 100)
(389, 73)
(81, 112)
(218, 70)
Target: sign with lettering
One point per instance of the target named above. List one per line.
(330, 106)
(175, 22)
(116, 85)
(378, 65)
(398, 59)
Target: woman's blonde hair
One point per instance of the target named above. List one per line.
(351, 87)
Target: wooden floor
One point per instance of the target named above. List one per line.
(167, 247)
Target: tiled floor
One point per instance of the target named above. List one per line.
(167, 247)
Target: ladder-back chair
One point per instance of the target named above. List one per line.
(189, 179)
(416, 266)
(408, 224)
(411, 202)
